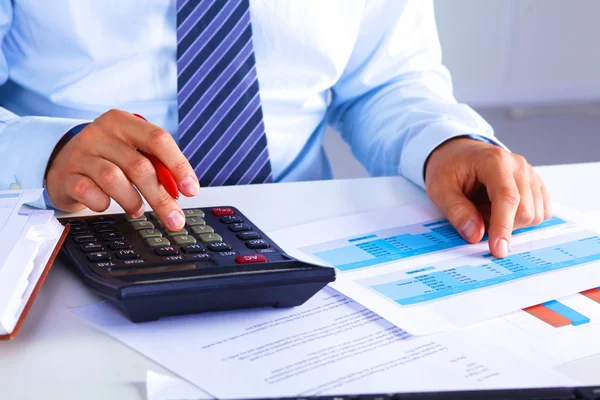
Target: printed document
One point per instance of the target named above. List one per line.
(411, 267)
(329, 345)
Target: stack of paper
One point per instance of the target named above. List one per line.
(402, 276)
(28, 240)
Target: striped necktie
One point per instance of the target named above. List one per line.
(221, 130)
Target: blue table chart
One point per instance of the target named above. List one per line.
(398, 243)
(431, 283)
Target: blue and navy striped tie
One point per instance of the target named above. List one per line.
(221, 129)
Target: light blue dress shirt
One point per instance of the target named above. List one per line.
(371, 68)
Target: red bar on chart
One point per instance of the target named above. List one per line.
(550, 317)
(592, 294)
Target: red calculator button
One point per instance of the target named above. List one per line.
(221, 211)
(250, 258)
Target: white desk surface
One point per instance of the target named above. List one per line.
(57, 356)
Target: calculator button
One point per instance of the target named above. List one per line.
(128, 263)
(97, 257)
(103, 220)
(193, 248)
(89, 247)
(226, 254)
(239, 227)
(119, 245)
(174, 258)
(126, 254)
(158, 242)
(80, 230)
(84, 238)
(230, 219)
(194, 221)
(110, 236)
(139, 225)
(149, 233)
(248, 235)
(75, 222)
(220, 246)
(257, 244)
(140, 218)
(210, 238)
(250, 259)
(178, 233)
(198, 256)
(105, 264)
(184, 239)
(200, 229)
(221, 211)
(166, 251)
(193, 213)
(269, 250)
(104, 228)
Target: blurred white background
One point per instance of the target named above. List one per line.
(530, 67)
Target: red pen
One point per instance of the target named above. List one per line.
(162, 172)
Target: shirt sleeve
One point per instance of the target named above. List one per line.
(394, 104)
(25, 142)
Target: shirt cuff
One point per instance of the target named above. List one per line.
(26, 146)
(420, 147)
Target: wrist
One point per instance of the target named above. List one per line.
(457, 140)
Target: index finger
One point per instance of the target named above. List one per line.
(161, 144)
(504, 197)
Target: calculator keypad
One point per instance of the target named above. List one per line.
(117, 242)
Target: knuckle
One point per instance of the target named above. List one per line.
(509, 194)
(159, 138)
(497, 154)
(526, 215)
(538, 219)
(141, 167)
(109, 176)
(81, 188)
(162, 201)
(113, 113)
(455, 210)
(504, 226)
(182, 165)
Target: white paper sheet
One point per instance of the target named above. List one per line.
(408, 265)
(163, 387)
(329, 345)
(27, 238)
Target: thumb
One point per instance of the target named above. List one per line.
(460, 211)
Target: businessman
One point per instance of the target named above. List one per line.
(239, 93)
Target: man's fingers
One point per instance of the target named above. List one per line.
(84, 190)
(460, 211)
(151, 139)
(547, 200)
(505, 199)
(139, 170)
(526, 212)
(111, 179)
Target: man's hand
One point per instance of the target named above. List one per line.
(478, 185)
(102, 162)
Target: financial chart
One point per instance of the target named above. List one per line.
(446, 278)
(397, 243)
(554, 317)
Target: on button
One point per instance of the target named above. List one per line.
(250, 258)
(221, 211)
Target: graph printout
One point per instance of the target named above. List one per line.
(550, 333)
(387, 245)
(446, 279)
(411, 267)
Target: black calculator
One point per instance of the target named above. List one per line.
(220, 260)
